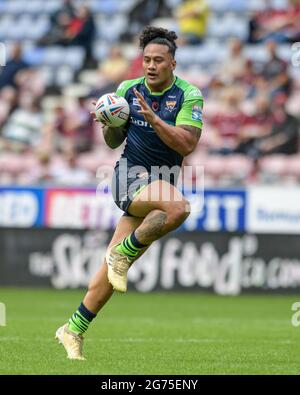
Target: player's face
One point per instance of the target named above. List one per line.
(158, 65)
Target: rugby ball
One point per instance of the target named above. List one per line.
(112, 110)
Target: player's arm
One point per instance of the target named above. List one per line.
(113, 136)
(183, 137)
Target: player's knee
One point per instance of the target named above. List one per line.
(178, 213)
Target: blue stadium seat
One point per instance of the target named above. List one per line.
(111, 29)
(54, 55)
(73, 57)
(100, 49)
(33, 55)
(64, 75)
(256, 53)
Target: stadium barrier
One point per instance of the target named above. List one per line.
(223, 263)
(234, 241)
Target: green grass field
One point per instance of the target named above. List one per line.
(158, 333)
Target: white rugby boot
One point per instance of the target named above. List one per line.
(71, 341)
(118, 265)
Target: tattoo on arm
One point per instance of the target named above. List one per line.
(192, 129)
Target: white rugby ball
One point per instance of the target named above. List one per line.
(112, 110)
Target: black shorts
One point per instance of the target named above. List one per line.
(129, 180)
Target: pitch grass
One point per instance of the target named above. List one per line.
(158, 333)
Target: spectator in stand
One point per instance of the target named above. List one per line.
(76, 27)
(73, 128)
(259, 124)
(280, 25)
(271, 130)
(24, 128)
(111, 71)
(60, 20)
(192, 17)
(234, 66)
(30, 81)
(15, 64)
(284, 135)
(70, 173)
(248, 79)
(81, 31)
(135, 68)
(142, 14)
(8, 101)
(275, 72)
(227, 122)
(67, 8)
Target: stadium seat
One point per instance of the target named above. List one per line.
(222, 6)
(111, 29)
(166, 23)
(54, 55)
(73, 57)
(256, 53)
(64, 75)
(100, 49)
(214, 166)
(230, 25)
(284, 52)
(292, 167)
(238, 167)
(35, 7)
(256, 5)
(51, 6)
(33, 55)
(47, 74)
(6, 22)
(39, 28)
(272, 168)
(14, 7)
(105, 7)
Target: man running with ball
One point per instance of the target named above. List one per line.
(164, 126)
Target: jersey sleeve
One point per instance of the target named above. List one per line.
(191, 109)
(126, 85)
(122, 89)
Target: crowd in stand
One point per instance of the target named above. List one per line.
(252, 108)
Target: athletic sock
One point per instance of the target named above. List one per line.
(130, 246)
(80, 320)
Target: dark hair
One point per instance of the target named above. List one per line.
(158, 35)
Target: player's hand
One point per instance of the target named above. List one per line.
(95, 119)
(145, 109)
(93, 113)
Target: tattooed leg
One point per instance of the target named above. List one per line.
(152, 228)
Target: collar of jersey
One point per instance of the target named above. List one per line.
(160, 93)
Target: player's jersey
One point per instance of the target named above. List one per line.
(180, 104)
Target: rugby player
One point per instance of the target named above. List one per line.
(164, 126)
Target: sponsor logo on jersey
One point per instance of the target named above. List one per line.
(140, 122)
(197, 113)
(155, 106)
(135, 102)
(170, 105)
(195, 93)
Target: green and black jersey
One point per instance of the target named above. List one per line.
(179, 104)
